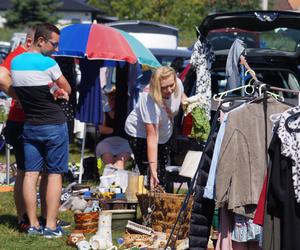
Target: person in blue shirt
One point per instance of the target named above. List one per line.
(45, 134)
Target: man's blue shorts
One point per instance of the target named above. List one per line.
(46, 148)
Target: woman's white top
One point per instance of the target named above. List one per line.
(147, 111)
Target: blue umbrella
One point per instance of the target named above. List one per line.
(100, 42)
(95, 43)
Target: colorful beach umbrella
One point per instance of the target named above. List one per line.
(95, 43)
(100, 42)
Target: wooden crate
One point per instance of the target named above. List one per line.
(120, 217)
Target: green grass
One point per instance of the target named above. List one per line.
(74, 154)
(11, 238)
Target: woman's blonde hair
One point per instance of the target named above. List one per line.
(159, 74)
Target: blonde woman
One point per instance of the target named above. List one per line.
(150, 124)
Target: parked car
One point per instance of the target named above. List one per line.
(176, 58)
(273, 53)
(17, 39)
(223, 38)
(3, 55)
(151, 34)
(4, 49)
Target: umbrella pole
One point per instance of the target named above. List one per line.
(81, 170)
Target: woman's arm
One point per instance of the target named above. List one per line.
(152, 151)
(105, 130)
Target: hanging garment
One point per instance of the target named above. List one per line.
(232, 64)
(134, 74)
(290, 145)
(203, 209)
(242, 163)
(224, 241)
(245, 230)
(281, 202)
(201, 59)
(89, 108)
(106, 75)
(271, 231)
(260, 210)
(209, 191)
(106, 79)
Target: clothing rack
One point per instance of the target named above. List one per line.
(258, 85)
(182, 212)
(269, 87)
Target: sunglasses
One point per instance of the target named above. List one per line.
(54, 45)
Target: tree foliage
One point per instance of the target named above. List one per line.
(232, 5)
(175, 12)
(184, 14)
(29, 12)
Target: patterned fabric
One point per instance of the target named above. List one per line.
(68, 109)
(67, 67)
(290, 145)
(245, 230)
(201, 60)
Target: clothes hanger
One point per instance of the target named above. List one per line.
(276, 96)
(233, 99)
(219, 96)
(264, 87)
(269, 87)
(263, 92)
(253, 75)
(235, 104)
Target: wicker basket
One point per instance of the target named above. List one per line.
(137, 240)
(87, 222)
(166, 207)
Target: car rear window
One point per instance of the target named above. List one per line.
(284, 39)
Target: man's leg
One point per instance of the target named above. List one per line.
(57, 153)
(33, 164)
(18, 194)
(13, 136)
(29, 194)
(53, 193)
(43, 189)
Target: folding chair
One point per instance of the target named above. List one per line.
(182, 174)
